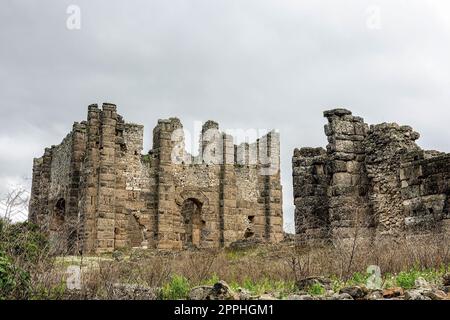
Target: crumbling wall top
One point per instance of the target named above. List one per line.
(309, 152)
(339, 112)
(387, 139)
(210, 124)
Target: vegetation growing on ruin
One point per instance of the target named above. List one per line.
(146, 158)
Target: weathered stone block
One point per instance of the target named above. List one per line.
(342, 178)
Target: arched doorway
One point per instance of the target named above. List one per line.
(58, 216)
(191, 212)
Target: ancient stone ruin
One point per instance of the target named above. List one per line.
(96, 192)
(370, 182)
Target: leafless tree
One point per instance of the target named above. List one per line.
(14, 204)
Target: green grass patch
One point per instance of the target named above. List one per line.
(211, 281)
(316, 289)
(177, 288)
(406, 279)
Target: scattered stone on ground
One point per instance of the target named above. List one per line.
(356, 292)
(306, 283)
(421, 283)
(375, 295)
(435, 294)
(121, 291)
(200, 293)
(415, 295)
(341, 296)
(300, 297)
(446, 279)
(392, 292)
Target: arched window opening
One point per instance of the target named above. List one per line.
(191, 213)
(58, 215)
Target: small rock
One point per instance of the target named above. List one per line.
(435, 295)
(446, 289)
(341, 296)
(375, 295)
(415, 295)
(300, 297)
(267, 297)
(446, 279)
(244, 294)
(329, 292)
(356, 292)
(222, 291)
(200, 293)
(122, 291)
(392, 292)
(421, 283)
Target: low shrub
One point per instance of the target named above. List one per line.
(177, 288)
(24, 241)
(406, 279)
(22, 248)
(316, 289)
(14, 281)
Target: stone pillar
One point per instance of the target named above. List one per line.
(107, 180)
(270, 186)
(348, 204)
(72, 209)
(89, 181)
(121, 195)
(228, 213)
(273, 184)
(210, 143)
(168, 220)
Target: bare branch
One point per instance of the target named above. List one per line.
(14, 204)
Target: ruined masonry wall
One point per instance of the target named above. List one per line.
(385, 146)
(425, 191)
(311, 181)
(116, 197)
(371, 182)
(60, 168)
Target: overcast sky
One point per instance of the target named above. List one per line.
(246, 64)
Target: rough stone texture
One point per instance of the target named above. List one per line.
(96, 192)
(371, 182)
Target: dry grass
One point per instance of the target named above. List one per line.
(259, 268)
(271, 267)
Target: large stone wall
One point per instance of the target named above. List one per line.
(55, 188)
(103, 194)
(371, 182)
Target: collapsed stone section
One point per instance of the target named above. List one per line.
(425, 185)
(370, 182)
(385, 147)
(97, 192)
